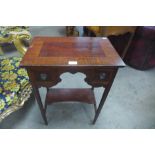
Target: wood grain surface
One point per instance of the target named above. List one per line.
(59, 51)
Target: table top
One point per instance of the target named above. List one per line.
(71, 51)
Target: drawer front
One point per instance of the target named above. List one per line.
(50, 77)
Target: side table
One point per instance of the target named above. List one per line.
(48, 57)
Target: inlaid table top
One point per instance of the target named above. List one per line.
(70, 51)
(49, 57)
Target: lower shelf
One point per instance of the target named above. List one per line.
(85, 95)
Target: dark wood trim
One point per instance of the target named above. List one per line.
(106, 91)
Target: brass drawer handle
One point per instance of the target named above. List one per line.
(102, 76)
(43, 76)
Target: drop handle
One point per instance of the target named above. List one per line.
(43, 76)
(102, 76)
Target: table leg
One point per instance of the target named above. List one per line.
(106, 91)
(38, 98)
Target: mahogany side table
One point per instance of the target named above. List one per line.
(48, 57)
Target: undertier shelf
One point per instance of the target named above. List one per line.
(84, 95)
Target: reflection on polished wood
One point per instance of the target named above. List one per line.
(87, 51)
(49, 57)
